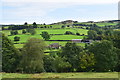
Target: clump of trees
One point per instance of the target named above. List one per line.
(71, 58)
(77, 33)
(27, 60)
(10, 55)
(63, 26)
(24, 31)
(16, 38)
(13, 32)
(45, 35)
(69, 33)
(31, 31)
(105, 54)
(34, 25)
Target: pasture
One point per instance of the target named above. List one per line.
(52, 31)
(54, 36)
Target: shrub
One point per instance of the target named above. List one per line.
(14, 32)
(16, 38)
(69, 32)
(23, 31)
(77, 33)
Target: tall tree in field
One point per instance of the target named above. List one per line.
(105, 54)
(10, 55)
(32, 60)
(45, 35)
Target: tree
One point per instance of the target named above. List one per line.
(25, 23)
(32, 56)
(86, 61)
(92, 34)
(14, 32)
(34, 25)
(71, 52)
(10, 55)
(44, 24)
(116, 39)
(63, 26)
(116, 43)
(50, 26)
(61, 65)
(56, 64)
(108, 32)
(45, 35)
(31, 31)
(77, 33)
(48, 63)
(16, 38)
(105, 55)
(23, 31)
(68, 32)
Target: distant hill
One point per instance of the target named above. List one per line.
(71, 22)
(110, 21)
(65, 22)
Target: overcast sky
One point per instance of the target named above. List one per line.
(50, 11)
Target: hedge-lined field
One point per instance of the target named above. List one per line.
(25, 37)
(52, 31)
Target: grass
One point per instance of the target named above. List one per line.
(25, 37)
(18, 45)
(62, 31)
(105, 24)
(52, 31)
(7, 32)
(63, 75)
(65, 37)
(50, 42)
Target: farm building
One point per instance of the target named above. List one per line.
(54, 45)
(87, 41)
(76, 40)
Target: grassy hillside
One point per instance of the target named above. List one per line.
(25, 37)
(56, 29)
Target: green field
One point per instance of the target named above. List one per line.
(62, 75)
(50, 42)
(105, 24)
(100, 23)
(25, 37)
(65, 37)
(52, 31)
